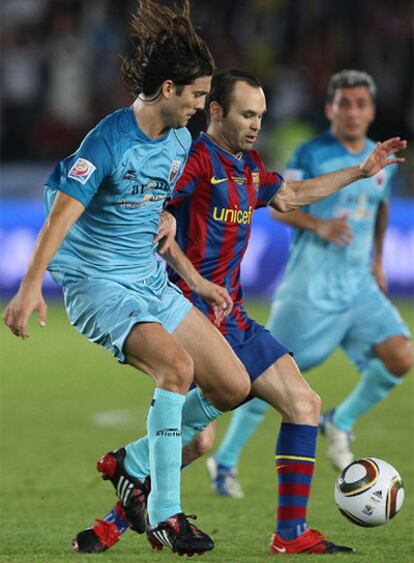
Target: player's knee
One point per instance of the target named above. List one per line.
(230, 396)
(205, 442)
(178, 375)
(306, 408)
(400, 360)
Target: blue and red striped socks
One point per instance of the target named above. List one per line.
(295, 462)
(117, 516)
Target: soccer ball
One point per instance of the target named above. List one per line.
(369, 492)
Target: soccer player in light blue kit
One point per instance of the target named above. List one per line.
(99, 242)
(332, 291)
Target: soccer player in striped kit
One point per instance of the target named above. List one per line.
(223, 182)
(334, 285)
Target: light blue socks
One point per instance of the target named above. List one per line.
(164, 447)
(243, 424)
(195, 414)
(375, 385)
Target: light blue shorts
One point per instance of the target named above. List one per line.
(312, 334)
(105, 310)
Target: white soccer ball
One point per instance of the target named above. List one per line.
(369, 492)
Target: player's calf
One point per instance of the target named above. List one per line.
(200, 445)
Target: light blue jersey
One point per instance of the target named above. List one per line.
(123, 179)
(320, 272)
(328, 296)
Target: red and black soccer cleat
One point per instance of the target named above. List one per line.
(179, 535)
(131, 491)
(311, 541)
(97, 538)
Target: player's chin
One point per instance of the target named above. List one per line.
(248, 143)
(185, 119)
(181, 122)
(355, 132)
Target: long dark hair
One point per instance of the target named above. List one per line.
(165, 47)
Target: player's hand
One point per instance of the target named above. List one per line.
(18, 311)
(167, 228)
(217, 297)
(379, 275)
(337, 231)
(380, 156)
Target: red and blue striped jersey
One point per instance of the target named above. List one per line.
(213, 203)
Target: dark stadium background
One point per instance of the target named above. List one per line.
(60, 75)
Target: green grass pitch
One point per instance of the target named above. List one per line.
(64, 402)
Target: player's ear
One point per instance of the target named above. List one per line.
(216, 111)
(328, 111)
(167, 88)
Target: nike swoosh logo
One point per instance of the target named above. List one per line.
(215, 180)
(279, 549)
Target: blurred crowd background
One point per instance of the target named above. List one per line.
(61, 58)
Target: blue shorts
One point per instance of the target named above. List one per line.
(105, 310)
(312, 334)
(256, 348)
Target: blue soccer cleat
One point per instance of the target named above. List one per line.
(339, 451)
(224, 480)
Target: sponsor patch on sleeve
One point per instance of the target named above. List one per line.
(293, 175)
(82, 170)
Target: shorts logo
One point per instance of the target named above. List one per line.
(82, 170)
(175, 166)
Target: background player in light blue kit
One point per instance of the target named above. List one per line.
(332, 291)
(99, 241)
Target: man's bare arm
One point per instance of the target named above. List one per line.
(381, 223)
(293, 195)
(333, 230)
(217, 296)
(64, 213)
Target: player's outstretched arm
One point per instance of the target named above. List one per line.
(381, 223)
(335, 230)
(214, 294)
(296, 194)
(65, 211)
